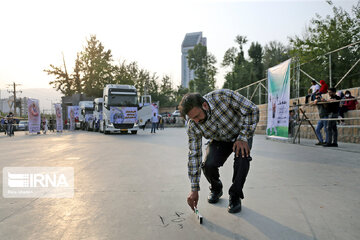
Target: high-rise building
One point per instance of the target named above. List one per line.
(190, 41)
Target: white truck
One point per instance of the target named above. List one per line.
(122, 112)
(146, 110)
(94, 124)
(120, 109)
(86, 109)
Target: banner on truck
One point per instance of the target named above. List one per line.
(34, 115)
(119, 115)
(278, 100)
(59, 119)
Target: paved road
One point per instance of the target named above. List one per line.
(135, 186)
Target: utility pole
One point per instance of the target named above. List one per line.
(14, 93)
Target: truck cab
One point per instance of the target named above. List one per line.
(86, 109)
(146, 110)
(120, 109)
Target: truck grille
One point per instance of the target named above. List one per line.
(124, 125)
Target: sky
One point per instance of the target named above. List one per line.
(34, 34)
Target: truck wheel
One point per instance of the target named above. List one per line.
(106, 132)
(133, 132)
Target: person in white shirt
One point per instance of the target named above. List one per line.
(315, 88)
(154, 120)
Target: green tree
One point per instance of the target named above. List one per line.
(180, 92)
(63, 82)
(77, 84)
(203, 65)
(274, 53)
(167, 93)
(256, 56)
(239, 74)
(96, 67)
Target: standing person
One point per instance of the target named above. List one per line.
(45, 125)
(323, 114)
(161, 123)
(229, 120)
(158, 122)
(292, 122)
(154, 121)
(312, 91)
(10, 122)
(51, 124)
(2, 125)
(333, 110)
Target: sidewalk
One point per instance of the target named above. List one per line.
(348, 147)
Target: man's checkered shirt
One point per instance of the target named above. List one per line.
(231, 117)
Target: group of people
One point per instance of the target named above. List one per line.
(329, 111)
(7, 124)
(48, 125)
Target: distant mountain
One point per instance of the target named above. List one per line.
(45, 96)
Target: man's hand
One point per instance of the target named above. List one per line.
(243, 146)
(193, 199)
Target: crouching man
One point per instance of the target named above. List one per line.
(228, 120)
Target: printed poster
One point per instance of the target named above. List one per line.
(34, 115)
(59, 119)
(278, 100)
(119, 115)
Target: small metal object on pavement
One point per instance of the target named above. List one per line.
(199, 216)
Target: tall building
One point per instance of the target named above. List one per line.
(190, 41)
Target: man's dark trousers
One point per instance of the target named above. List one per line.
(216, 154)
(332, 129)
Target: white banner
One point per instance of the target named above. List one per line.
(278, 99)
(33, 115)
(73, 113)
(120, 115)
(59, 119)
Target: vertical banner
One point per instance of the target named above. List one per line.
(73, 113)
(34, 115)
(59, 119)
(278, 100)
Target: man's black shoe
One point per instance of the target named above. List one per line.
(334, 145)
(234, 205)
(328, 145)
(214, 196)
(319, 143)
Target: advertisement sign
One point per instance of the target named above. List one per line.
(119, 115)
(34, 115)
(278, 99)
(59, 119)
(88, 117)
(73, 113)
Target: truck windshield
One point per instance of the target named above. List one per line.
(99, 108)
(122, 100)
(88, 111)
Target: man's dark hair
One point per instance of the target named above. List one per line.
(313, 81)
(332, 89)
(347, 92)
(189, 101)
